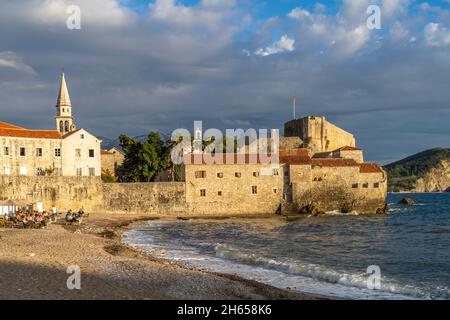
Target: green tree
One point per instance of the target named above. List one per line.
(143, 160)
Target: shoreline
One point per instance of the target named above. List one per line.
(33, 265)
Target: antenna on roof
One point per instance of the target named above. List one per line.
(294, 102)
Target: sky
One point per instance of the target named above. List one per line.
(136, 66)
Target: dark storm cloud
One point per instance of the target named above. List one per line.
(163, 70)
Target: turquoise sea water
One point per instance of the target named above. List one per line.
(326, 255)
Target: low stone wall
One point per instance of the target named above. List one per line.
(152, 198)
(63, 192)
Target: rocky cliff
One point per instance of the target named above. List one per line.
(427, 171)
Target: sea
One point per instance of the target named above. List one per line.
(402, 255)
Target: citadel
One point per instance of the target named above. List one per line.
(318, 168)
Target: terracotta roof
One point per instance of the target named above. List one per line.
(5, 125)
(334, 162)
(33, 134)
(369, 168)
(322, 155)
(348, 148)
(106, 152)
(295, 152)
(295, 156)
(235, 158)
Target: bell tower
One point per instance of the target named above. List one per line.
(64, 120)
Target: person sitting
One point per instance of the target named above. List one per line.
(69, 216)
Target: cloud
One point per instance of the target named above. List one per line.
(392, 9)
(285, 44)
(299, 13)
(172, 63)
(9, 59)
(436, 35)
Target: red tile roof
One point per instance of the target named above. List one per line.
(296, 156)
(334, 162)
(234, 158)
(369, 168)
(348, 148)
(106, 152)
(5, 125)
(33, 134)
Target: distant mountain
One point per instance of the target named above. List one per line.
(427, 171)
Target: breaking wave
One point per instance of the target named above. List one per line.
(315, 271)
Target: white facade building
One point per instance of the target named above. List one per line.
(66, 151)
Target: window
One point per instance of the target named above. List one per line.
(220, 175)
(275, 190)
(6, 151)
(256, 174)
(66, 126)
(7, 170)
(79, 172)
(365, 185)
(61, 126)
(23, 171)
(355, 186)
(237, 174)
(40, 172)
(38, 152)
(219, 193)
(82, 136)
(57, 152)
(376, 185)
(92, 172)
(275, 171)
(254, 189)
(23, 152)
(200, 174)
(203, 193)
(78, 153)
(91, 153)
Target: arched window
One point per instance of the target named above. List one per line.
(66, 126)
(61, 126)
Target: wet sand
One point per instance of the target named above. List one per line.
(33, 265)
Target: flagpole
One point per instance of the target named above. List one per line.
(294, 101)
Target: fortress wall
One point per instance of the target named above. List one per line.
(332, 189)
(152, 198)
(231, 195)
(335, 137)
(63, 192)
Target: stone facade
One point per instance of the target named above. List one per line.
(293, 183)
(111, 160)
(223, 189)
(318, 134)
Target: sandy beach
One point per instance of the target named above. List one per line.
(33, 265)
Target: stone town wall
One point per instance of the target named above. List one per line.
(257, 190)
(63, 192)
(152, 198)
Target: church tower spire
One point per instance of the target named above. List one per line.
(64, 120)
